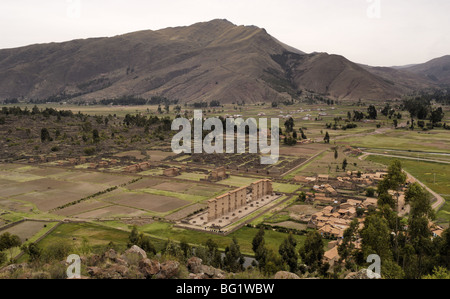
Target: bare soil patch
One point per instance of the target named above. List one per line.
(184, 212)
(46, 171)
(111, 211)
(135, 154)
(145, 183)
(204, 190)
(303, 209)
(291, 224)
(172, 186)
(150, 202)
(49, 200)
(10, 166)
(14, 206)
(16, 189)
(157, 156)
(99, 178)
(82, 208)
(25, 230)
(138, 222)
(302, 150)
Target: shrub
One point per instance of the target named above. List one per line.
(89, 151)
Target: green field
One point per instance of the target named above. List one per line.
(437, 140)
(326, 164)
(244, 236)
(164, 231)
(98, 236)
(73, 233)
(443, 216)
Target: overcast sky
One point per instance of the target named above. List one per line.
(375, 32)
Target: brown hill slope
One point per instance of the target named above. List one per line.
(216, 60)
(436, 70)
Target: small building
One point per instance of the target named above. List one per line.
(171, 172)
(323, 178)
(331, 256)
(218, 175)
(370, 202)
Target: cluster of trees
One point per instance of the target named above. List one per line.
(139, 239)
(291, 136)
(8, 242)
(11, 101)
(143, 121)
(327, 101)
(199, 105)
(390, 112)
(372, 113)
(232, 260)
(405, 245)
(344, 127)
(57, 98)
(326, 139)
(288, 257)
(138, 101)
(215, 104)
(441, 96)
(47, 112)
(421, 108)
(212, 104)
(86, 198)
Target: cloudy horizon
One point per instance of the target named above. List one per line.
(373, 32)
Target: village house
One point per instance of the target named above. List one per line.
(351, 203)
(323, 177)
(331, 256)
(370, 202)
(217, 175)
(304, 179)
(171, 172)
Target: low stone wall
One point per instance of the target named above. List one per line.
(11, 225)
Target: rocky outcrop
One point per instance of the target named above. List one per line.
(13, 268)
(194, 265)
(362, 274)
(134, 255)
(286, 275)
(133, 264)
(149, 267)
(199, 271)
(112, 272)
(168, 270)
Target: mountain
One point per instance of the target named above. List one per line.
(436, 70)
(402, 77)
(214, 60)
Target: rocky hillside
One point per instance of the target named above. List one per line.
(132, 264)
(215, 60)
(436, 70)
(135, 264)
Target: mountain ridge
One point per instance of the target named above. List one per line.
(206, 61)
